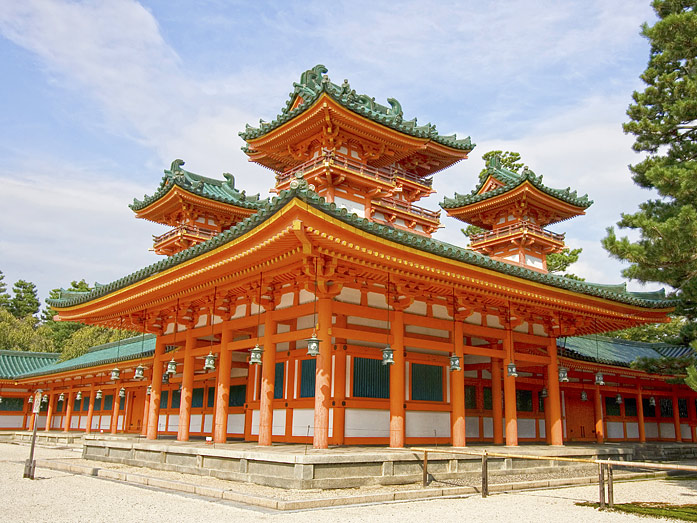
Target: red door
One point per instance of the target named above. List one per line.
(580, 417)
(135, 416)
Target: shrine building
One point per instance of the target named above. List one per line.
(329, 314)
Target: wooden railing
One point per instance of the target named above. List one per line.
(184, 230)
(407, 207)
(518, 227)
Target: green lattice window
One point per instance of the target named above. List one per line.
(470, 397)
(211, 397)
(488, 403)
(197, 399)
(278, 380)
(371, 379)
(12, 404)
(237, 395)
(307, 378)
(176, 398)
(630, 407)
(164, 399)
(523, 400)
(666, 407)
(649, 410)
(611, 406)
(426, 382)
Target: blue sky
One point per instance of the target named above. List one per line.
(98, 98)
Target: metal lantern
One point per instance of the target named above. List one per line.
(148, 391)
(0, 399)
(115, 374)
(512, 371)
(98, 395)
(122, 392)
(30, 400)
(78, 396)
(584, 396)
(563, 375)
(652, 401)
(61, 397)
(139, 373)
(618, 399)
(313, 345)
(255, 356)
(209, 364)
(44, 398)
(165, 378)
(543, 392)
(388, 356)
(599, 379)
(455, 363)
(171, 366)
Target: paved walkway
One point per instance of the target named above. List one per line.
(61, 497)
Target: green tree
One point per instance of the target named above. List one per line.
(23, 334)
(4, 297)
(89, 336)
(24, 301)
(61, 331)
(509, 160)
(655, 332)
(663, 120)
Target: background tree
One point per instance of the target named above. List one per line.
(4, 297)
(89, 336)
(23, 334)
(663, 119)
(25, 300)
(61, 331)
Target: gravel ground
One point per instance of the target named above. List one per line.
(57, 497)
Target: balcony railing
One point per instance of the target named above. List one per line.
(407, 207)
(384, 174)
(517, 228)
(184, 230)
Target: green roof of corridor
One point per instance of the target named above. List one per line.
(14, 363)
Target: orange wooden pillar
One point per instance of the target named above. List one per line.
(68, 412)
(323, 374)
(223, 387)
(187, 387)
(115, 409)
(49, 411)
(509, 392)
(90, 412)
(496, 401)
(339, 382)
(457, 391)
(156, 392)
(397, 372)
(599, 428)
(640, 415)
(146, 413)
(268, 380)
(556, 434)
(676, 417)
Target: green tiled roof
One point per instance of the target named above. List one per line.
(14, 362)
(128, 349)
(314, 82)
(439, 248)
(510, 181)
(615, 351)
(219, 190)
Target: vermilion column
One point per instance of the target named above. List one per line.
(397, 413)
(187, 388)
(509, 393)
(49, 412)
(457, 391)
(116, 407)
(155, 393)
(146, 412)
(599, 429)
(90, 412)
(640, 415)
(268, 380)
(339, 384)
(68, 412)
(556, 435)
(496, 401)
(323, 375)
(676, 417)
(223, 387)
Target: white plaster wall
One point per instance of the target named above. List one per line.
(377, 300)
(493, 321)
(651, 430)
(615, 429)
(305, 296)
(488, 427)
(306, 322)
(427, 331)
(632, 429)
(441, 311)
(162, 423)
(349, 295)
(255, 423)
(11, 422)
(418, 307)
(523, 327)
(42, 422)
(83, 422)
(367, 322)
(105, 422)
(469, 373)
(304, 417)
(239, 312)
(685, 432)
(543, 428)
(538, 330)
(472, 427)
(422, 424)
(526, 428)
(208, 423)
(667, 430)
(173, 423)
(235, 423)
(286, 301)
(195, 422)
(57, 422)
(279, 422)
(75, 422)
(95, 422)
(364, 423)
(474, 319)
(120, 423)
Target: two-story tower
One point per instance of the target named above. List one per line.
(356, 153)
(513, 210)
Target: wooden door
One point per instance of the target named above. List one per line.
(135, 416)
(580, 417)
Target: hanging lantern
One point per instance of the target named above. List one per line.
(165, 378)
(0, 399)
(512, 371)
(584, 396)
(255, 356)
(78, 396)
(209, 363)
(122, 392)
(563, 375)
(61, 397)
(618, 399)
(30, 400)
(44, 398)
(139, 373)
(313, 345)
(98, 395)
(115, 374)
(148, 391)
(455, 363)
(599, 379)
(543, 392)
(652, 401)
(388, 356)
(171, 366)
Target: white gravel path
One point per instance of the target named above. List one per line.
(58, 497)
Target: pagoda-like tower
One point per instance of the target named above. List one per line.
(354, 152)
(196, 207)
(514, 209)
